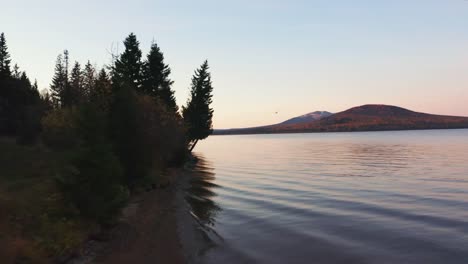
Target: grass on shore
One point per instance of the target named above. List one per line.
(35, 223)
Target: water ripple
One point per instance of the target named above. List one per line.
(380, 197)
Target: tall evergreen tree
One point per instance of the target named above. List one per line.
(198, 114)
(127, 68)
(57, 86)
(60, 88)
(102, 92)
(66, 65)
(25, 90)
(5, 60)
(47, 101)
(76, 85)
(89, 80)
(19, 99)
(35, 90)
(156, 82)
(124, 113)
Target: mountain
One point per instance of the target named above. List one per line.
(370, 117)
(310, 117)
(307, 118)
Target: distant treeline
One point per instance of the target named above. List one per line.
(115, 128)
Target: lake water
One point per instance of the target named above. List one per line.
(366, 197)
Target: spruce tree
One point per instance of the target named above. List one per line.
(35, 90)
(124, 112)
(60, 88)
(19, 99)
(89, 80)
(58, 84)
(5, 60)
(76, 85)
(127, 68)
(198, 114)
(156, 82)
(102, 92)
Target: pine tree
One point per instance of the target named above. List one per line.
(25, 80)
(102, 92)
(156, 82)
(89, 80)
(58, 83)
(76, 85)
(60, 89)
(198, 114)
(124, 111)
(19, 99)
(35, 90)
(47, 101)
(127, 68)
(5, 60)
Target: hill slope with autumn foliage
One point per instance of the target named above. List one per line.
(363, 118)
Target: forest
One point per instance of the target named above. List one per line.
(73, 154)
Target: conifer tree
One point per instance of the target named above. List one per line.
(57, 86)
(18, 97)
(127, 68)
(35, 90)
(102, 92)
(124, 113)
(25, 80)
(5, 60)
(156, 82)
(47, 101)
(89, 80)
(60, 89)
(76, 85)
(198, 114)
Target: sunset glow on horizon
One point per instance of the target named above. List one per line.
(270, 60)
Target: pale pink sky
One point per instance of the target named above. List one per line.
(267, 56)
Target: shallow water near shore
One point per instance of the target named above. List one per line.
(367, 197)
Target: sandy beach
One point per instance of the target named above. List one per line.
(155, 227)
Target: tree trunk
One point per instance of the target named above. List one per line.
(193, 145)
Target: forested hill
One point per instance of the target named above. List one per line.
(362, 118)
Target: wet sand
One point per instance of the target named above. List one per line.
(155, 227)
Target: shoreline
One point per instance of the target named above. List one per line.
(157, 226)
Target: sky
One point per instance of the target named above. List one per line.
(270, 60)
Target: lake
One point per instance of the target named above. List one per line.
(363, 197)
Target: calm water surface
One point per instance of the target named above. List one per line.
(371, 197)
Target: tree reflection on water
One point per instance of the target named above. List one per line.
(200, 194)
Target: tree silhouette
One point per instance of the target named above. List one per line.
(127, 68)
(101, 94)
(124, 111)
(76, 85)
(19, 99)
(89, 80)
(60, 90)
(156, 82)
(5, 70)
(198, 114)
